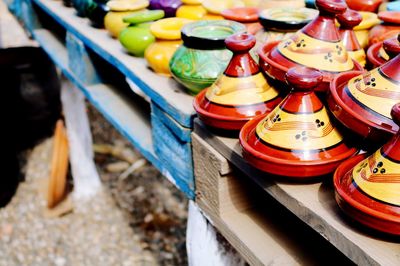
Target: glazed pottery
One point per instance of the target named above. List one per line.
(317, 45)
(168, 34)
(282, 22)
(369, 20)
(240, 93)
(169, 6)
(203, 56)
(246, 15)
(217, 6)
(281, 3)
(81, 6)
(388, 29)
(368, 189)
(364, 5)
(191, 9)
(362, 101)
(380, 53)
(113, 21)
(297, 139)
(96, 13)
(348, 20)
(137, 36)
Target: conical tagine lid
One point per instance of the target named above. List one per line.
(297, 138)
(380, 53)
(362, 102)
(372, 185)
(240, 93)
(317, 45)
(348, 20)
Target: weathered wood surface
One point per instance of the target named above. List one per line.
(165, 92)
(261, 230)
(315, 205)
(12, 35)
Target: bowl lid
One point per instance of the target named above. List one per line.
(286, 18)
(241, 14)
(144, 16)
(210, 34)
(169, 28)
(369, 20)
(217, 6)
(373, 184)
(318, 45)
(127, 5)
(241, 92)
(371, 94)
(299, 130)
(392, 17)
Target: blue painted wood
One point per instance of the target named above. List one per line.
(79, 61)
(175, 154)
(27, 15)
(184, 118)
(180, 132)
(131, 122)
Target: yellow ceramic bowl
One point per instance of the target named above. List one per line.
(168, 28)
(127, 5)
(159, 54)
(191, 2)
(194, 12)
(113, 22)
(216, 6)
(281, 3)
(369, 20)
(212, 17)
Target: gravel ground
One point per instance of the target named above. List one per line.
(95, 233)
(137, 219)
(155, 209)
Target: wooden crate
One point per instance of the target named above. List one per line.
(314, 204)
(161, 130)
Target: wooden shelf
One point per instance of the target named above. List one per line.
(164, 91)
(315, 205)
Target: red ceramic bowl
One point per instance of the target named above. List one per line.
(361, 207)
(241, 14)
(298, 170)
(373, 55)
(364, 5)
(277, 71)
(355, 117)
(392, 17)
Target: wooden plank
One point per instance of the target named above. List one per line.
(129, 119)
(175, 154)
(164, 91)
(315, 205)
(180, 132)
(261, 230)
(11, 33)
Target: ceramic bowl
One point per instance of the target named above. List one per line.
(388, 29)
(168, 6)
(203, 56)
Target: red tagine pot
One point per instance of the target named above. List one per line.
(368, 189)
(317, 45)
(362, 101)
(348, 20)
(297, 139)
(240, 93)
(380, 53)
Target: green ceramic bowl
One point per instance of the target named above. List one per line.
(137, 38)
(203, 56)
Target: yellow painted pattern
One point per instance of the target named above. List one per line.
(375, 91)
(298, 131)
(358, 56)
(383, 54)
(241, 91)
(379, 178)
(318, 54)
